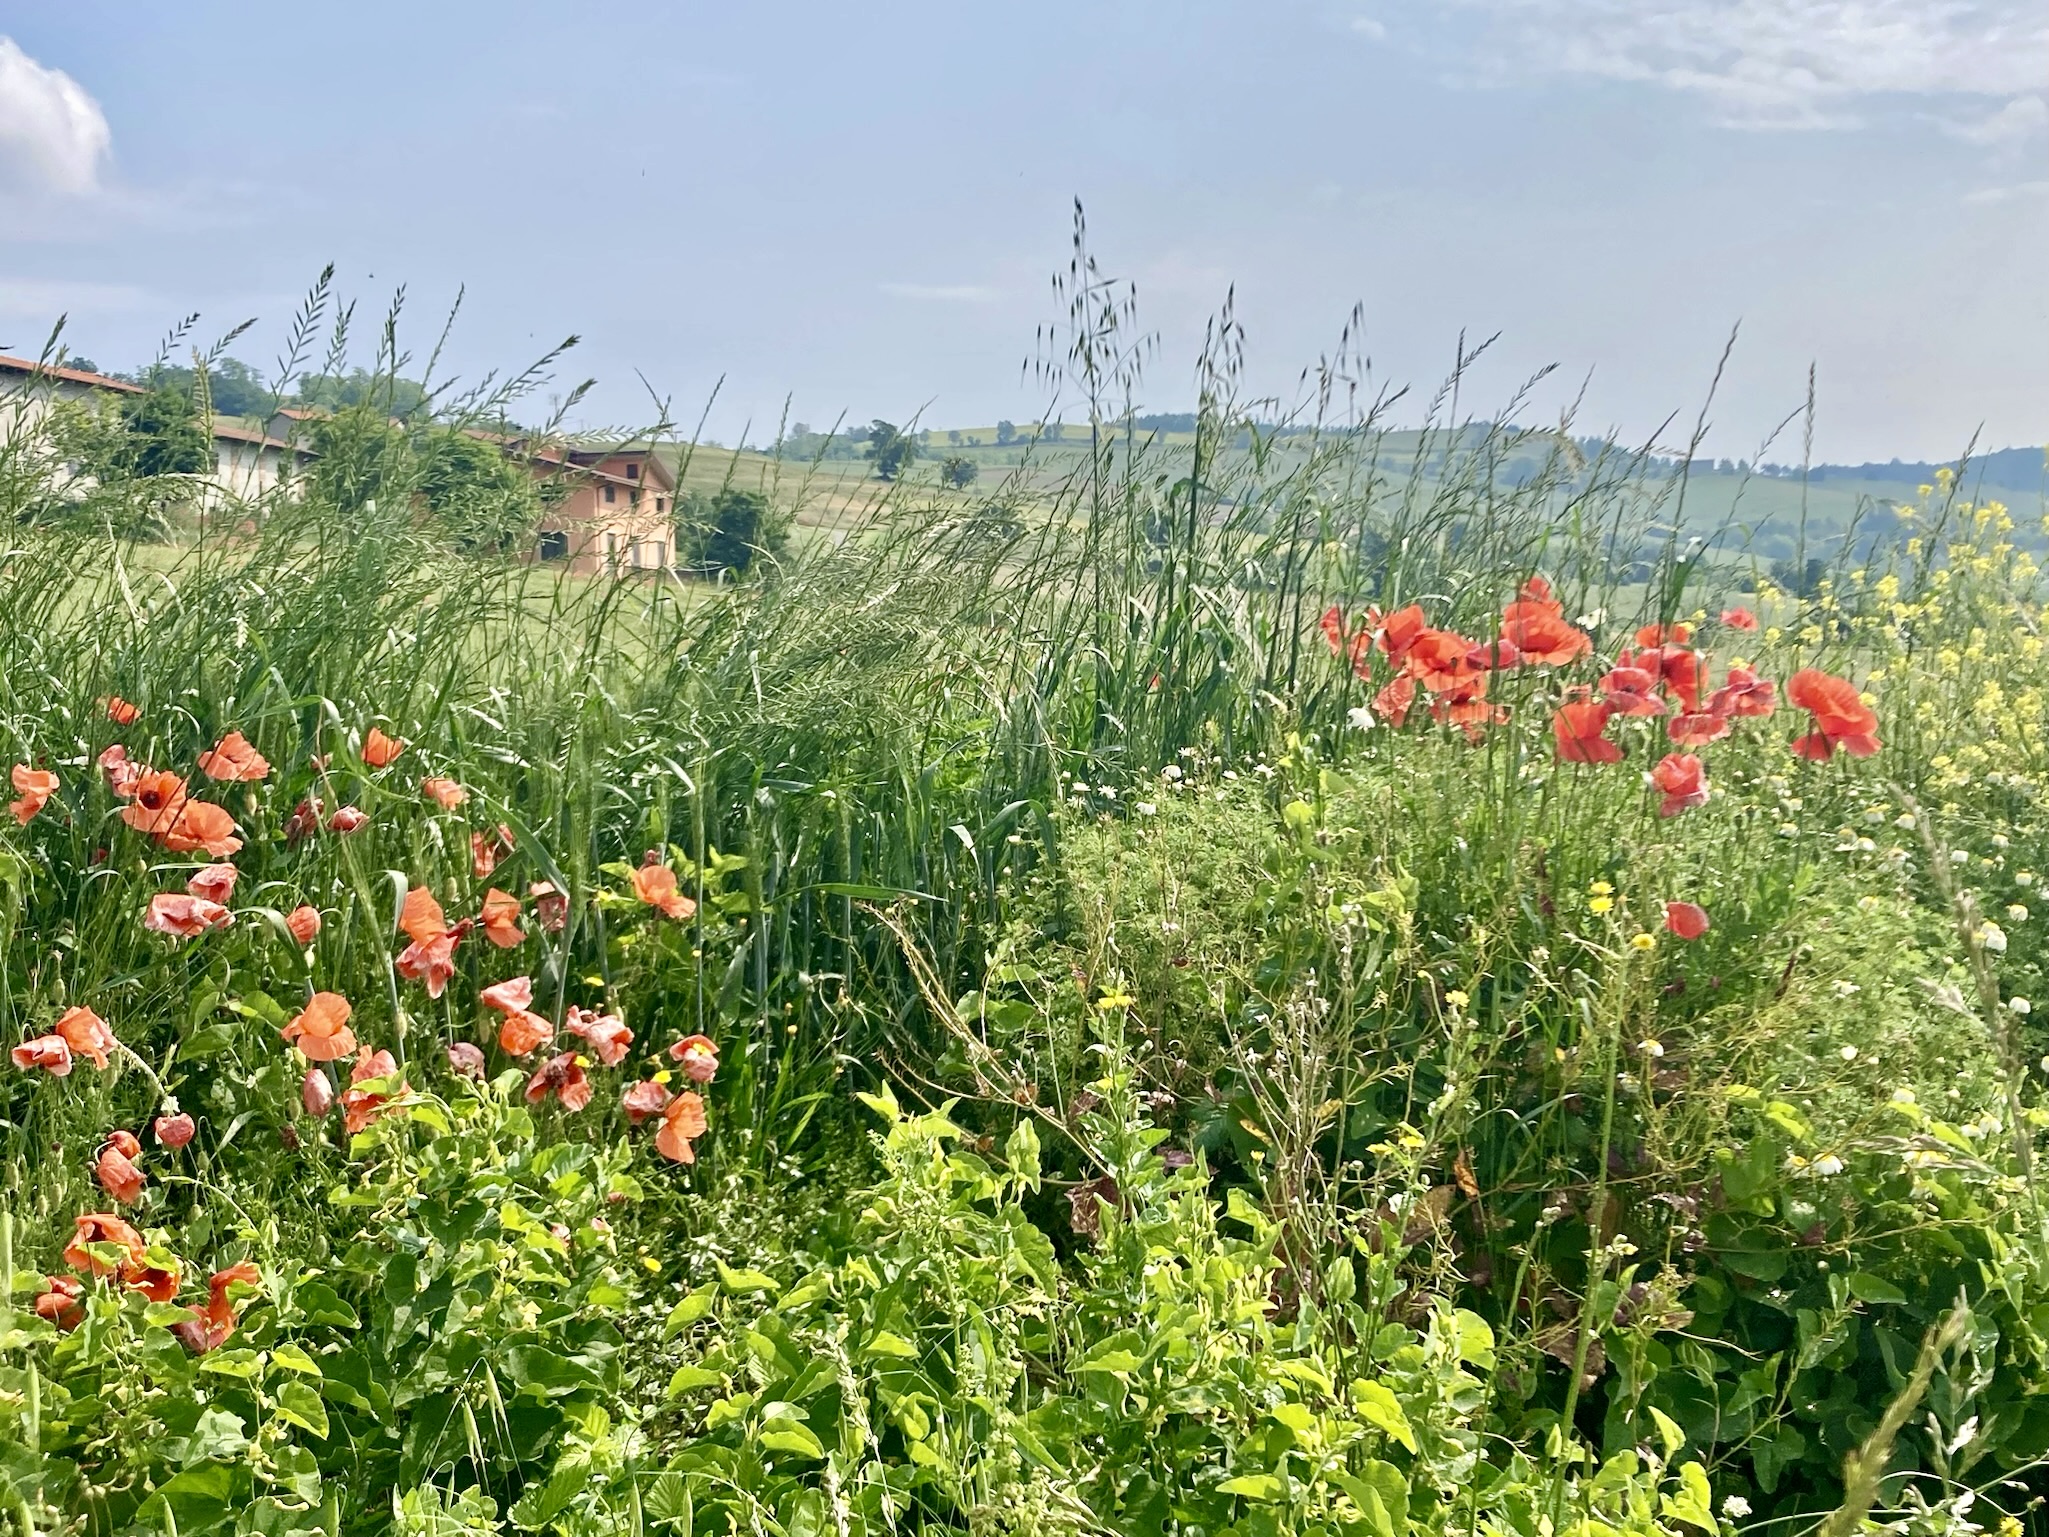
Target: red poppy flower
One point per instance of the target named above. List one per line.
(120, 711)
(1697, 728)
(656, 886)
(1682, 781)
(1686, 919)
(682, 1124)
(211, 1326)
(1440, 660)
(86, 1034)
(115, 1168)
(643, 1100)
(61, 1302)
(1544, 639)
(173, 1131)
(1498, 655)
(304, 821)
(157, 796)
(523, 1033)
(1664, 635)
(1333, 626)
(348, 819)
(1744, 694)
(445, 793)
(379, 750)
(232, 758)
(1393, 703)
(51, 1053)
(1395, 633)
(501, 918)
(561, 1075)
(321, 1029)
(183, 916)
(486, 849)
(98, 1227)
(360, 1107)
(1467, 708)
(120, 770)
(465, 1060)
(430, 958)
(200, 826)
(606, 1033)
(1841, 718)
(1631, 690)
(35, 787)
(512, 996)
(551, 907)
(698, 1056)
(303, 924)
(1739, 619)
(213, 883)
(316, 1093)
(1579, 728)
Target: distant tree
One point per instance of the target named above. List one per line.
(361, 457)
(396, 396)
(1803, 581)
(1006, 434)
(728, 529)
(83, 364)
(952, 438)
(233, 388)
(891, 449)
(483, 501)
(1053, 432)
(958, 471)
(162, 436)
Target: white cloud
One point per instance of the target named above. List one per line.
(2021, 118)
(52, 133)
(1367, 27)
(2007, 194)
(1783, 63)
(945, 293)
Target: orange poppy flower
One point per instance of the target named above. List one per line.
(1631, 691)
(35, 787)
(183, 916)
(561, 1075)
(698, 1056)
(380, 750)
(211, 1326)
(173, 1131)
(303, 924)
(656, 886)
(316, 1093)
(1534, 597)
(1744, 693)
(551, 907)
(1333, 626)
(120, 711)
(606, 1033)
(86, 1034)
(61, 1302)
(321, 1029)
(1688, 920)
(1697, 728)
(643, 1100)
(213, 883)
(157, 795)
(486, 849)
(523, 1033)
(51, 1053)
(360, 1107)
(430, 958)
(1498, 655)
(201, 827)
(1393, 703)
(1841, 718)
(1739, 619)
(1397, 632)
(1579, 729)
(98, 1227)
(682, 1124)
(115, 1168)
(1664, 635)
(1467, 708)
(1682, 780)
(1545, 639)
(445, 793)
(120, 770)
(232, 758)
(500, 918)
(157, 1282)
(1440, 660)
(420, 918)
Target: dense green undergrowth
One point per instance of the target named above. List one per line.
(1154, 1091)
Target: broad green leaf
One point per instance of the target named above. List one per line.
(1670, 1436)
(883, 1343)
(1378, 1406)
(1254, 1486)
(790, 1436)
(688, 1379)
(744, 1282)
(300, 1403)
(293, 1359)
(1693, 1503)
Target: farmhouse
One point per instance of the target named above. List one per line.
(616, 512)
(246, 464)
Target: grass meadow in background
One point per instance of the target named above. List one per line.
(1003, 1021)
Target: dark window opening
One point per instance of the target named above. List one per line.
(611, 493)
(633, 472)
(554, 547)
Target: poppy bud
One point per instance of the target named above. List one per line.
(465, 1060)
(347, 819)
(173, 1131)
(316, 1093)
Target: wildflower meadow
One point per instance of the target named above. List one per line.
(1238, 993)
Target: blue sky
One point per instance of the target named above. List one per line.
(860, 207)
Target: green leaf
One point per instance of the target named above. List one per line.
(317, 1300)
(744, 1282)
(883, 1343)
(1378, 1406)
(1870, 1288)
(1116, 1362)
(1694, 1501)
(1669, 1433)
(293, 1359)
(687, 1312)
(300, 1403)
(688, 1379)
(1254, 1486)
(792, 1436)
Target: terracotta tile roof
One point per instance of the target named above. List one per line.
(13, 365)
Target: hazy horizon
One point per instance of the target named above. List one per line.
(862, 211)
